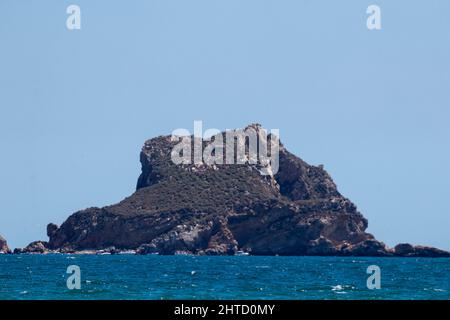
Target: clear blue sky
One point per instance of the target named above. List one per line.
(372, 106)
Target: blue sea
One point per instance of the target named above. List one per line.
(230, 277)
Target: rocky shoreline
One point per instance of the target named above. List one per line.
(400, 250)
(221, 209)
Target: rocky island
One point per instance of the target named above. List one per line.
(223, 210)
(4, 246)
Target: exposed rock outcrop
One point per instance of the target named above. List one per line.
(221, 209)
(408, 250)
(34, 247)
(4, 246)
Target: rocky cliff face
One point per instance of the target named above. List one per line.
(223, 209)
(3, 246)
